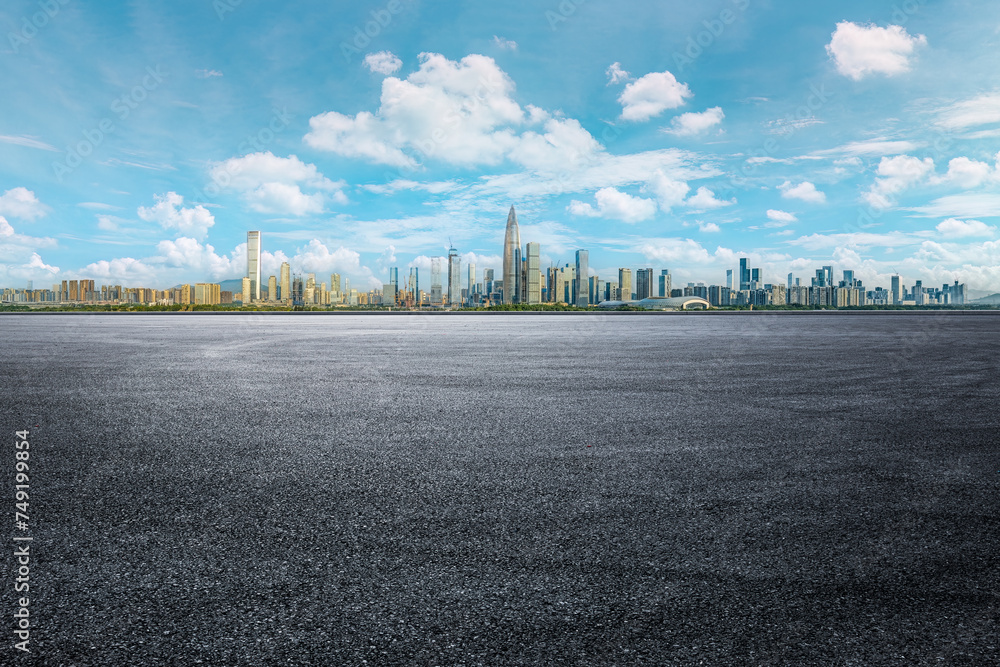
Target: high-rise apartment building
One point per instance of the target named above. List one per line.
(272, 288)
(207, 294)
(253, 264)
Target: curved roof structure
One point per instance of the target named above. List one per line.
(661, 303)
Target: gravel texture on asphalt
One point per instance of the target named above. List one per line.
(741, 489)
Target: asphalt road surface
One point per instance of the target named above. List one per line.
(519, 489)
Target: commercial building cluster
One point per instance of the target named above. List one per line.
(522, 282)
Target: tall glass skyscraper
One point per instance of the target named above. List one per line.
(644, 284)
(435, 281)
(253, 264)
(511, 263)
(744, 273)
(582, 278)
(454, 278)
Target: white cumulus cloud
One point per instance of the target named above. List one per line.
(780, 218)
(692, 123)
(955, 228)
(651, 95)
(805, 191)
(705, 200)
(895, 174)
(669, 191)
(383, 62)
(170, 213)
(460, 112)
(616, 74)
(860, 50)
(21, 203)
(272, 184)
(613, 203)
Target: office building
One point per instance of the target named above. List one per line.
(272, 288)
(624, 284)
(533, 274)
(511, 264)
(582, 283)
(454, 278)
(665, 282)
(643, 284)
(436, 295)
(286, 283)
(253, 264)
(744, 273)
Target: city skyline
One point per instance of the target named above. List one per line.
(523, 283)
(865, 139)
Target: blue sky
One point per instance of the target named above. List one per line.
(140, 141)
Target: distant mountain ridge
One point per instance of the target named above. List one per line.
(991, 300)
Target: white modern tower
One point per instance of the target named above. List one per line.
(253, 264)
(511, 264)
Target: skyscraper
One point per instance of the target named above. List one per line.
(895, 290)
(744, 273)
(511, 267)
(414, 285)
(729, 282)
(335, 288)
(454, 278)
(533, 290)
(625, 284)
(253, 264)
(272, 289)
(435, 281)
(286, 283)
(582, 278)
(665, 281)
(471, 290)
(644, 284)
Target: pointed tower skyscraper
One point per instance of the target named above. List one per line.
(511, 243)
